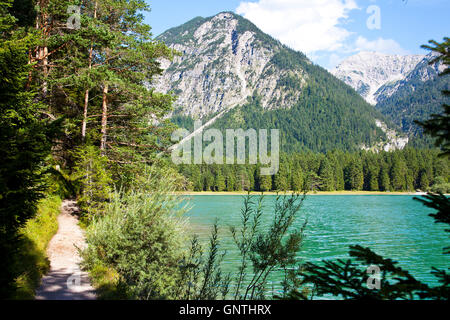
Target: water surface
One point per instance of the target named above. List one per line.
(394, 226)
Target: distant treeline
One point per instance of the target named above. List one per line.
(405, 170)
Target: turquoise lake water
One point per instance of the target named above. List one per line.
(392, 225)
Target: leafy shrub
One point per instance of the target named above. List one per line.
(139, 237)
(440, 185)
(261, 252)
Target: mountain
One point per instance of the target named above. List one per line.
(404, 88)
(367, 72)
(232, 75)
(224, 60)
(415, 98)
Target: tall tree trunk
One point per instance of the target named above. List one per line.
(86, 94)
(104, 118)
(45, 70)
(42, 24)
(85, 112)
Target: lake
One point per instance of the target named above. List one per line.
(394, 226)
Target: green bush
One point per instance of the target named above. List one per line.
(261, 252)
(441, 188)
(440, 185)
(140, 238)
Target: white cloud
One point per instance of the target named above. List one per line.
(304, 25)
(387, 46)
(334, 60)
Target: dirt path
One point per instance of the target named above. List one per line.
(65, 280)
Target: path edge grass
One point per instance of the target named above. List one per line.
(33, 262)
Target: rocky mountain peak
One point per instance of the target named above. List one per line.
(367, 72)
(224, 60)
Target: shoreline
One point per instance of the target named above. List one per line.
(316, 193)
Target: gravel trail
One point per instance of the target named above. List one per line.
(65, 280)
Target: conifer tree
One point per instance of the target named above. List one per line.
(326, 175)
(25, 143)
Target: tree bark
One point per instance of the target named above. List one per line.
(86, 94)
(104, 118)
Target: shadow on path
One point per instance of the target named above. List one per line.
(65, 280)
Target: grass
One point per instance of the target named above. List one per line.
(37, 233)
(107, 284)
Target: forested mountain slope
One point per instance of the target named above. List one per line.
(403, 88)
(227, 62)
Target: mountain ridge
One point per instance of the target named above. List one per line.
(228, 65)
(367, 72)
(415, 95)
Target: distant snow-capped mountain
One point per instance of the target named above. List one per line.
(421, 73)
(367, 72)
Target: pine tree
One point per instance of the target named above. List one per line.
(399, 174)
(219, 181)
(439, 124)
(326, 175)
(298, 181)
(265, 183)
(25, 143)
(281, 179)
(354, 175)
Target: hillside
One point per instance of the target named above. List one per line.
(404, 88)
(415, 98)
(227, 62)
(367, 72)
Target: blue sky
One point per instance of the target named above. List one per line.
(326, 30)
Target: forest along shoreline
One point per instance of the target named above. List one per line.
(317, 193)
(65, 280)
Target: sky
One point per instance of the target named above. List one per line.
(327, 31)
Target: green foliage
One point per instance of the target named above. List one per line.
(25, 142)
(416, 101)
(441, 188)
(348, 280)
(32, 262)
(438, 126)
(93, 179)
(275, 248)
(322, 119)
(441, 204)
(403, 170)
(201, 278)
(262, 251)
(139, 237)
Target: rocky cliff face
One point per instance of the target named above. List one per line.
(223, 61)
(422, 72)
(416, 97)
(367, 72)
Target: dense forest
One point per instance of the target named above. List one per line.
(78, 120)
(320, 121)
(406, 170)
